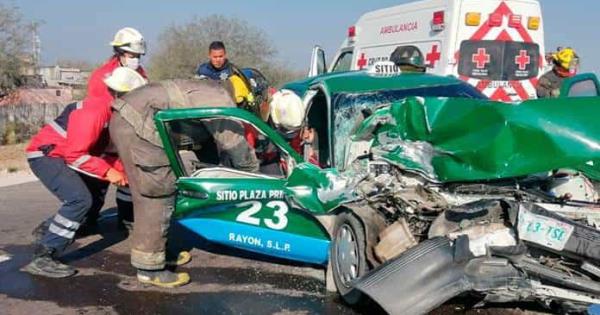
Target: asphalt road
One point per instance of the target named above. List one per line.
(224, 282)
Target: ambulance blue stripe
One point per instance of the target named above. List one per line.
(261, 240)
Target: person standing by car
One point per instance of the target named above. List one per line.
(151, 179)
(565, 64)
(218, 66)
(128, 47)
(67, 155)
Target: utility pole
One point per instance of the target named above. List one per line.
(36, 47)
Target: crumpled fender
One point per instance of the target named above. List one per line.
(431, 273)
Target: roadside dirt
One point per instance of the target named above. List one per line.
(12, 158)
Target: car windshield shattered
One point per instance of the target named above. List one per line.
(347, 107)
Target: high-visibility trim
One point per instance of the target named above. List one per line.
(84, 172)
(58, 129)
(61, 232)
(34, 154)
(66, 222)
(82, 159)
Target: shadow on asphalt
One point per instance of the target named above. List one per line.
(105, 290)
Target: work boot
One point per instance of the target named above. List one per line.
(183, 258)
(163, 278)
(44, 264)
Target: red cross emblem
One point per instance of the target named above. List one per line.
(522, 59)
(362, 62)
(481, 58)
(433, 56)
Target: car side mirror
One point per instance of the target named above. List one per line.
(582, 85)
(317, 62)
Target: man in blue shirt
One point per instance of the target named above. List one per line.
(218, 67)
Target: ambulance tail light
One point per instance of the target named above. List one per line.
(495, 20)
(514, 21)
(351, 31)
(473, 19)
(533, 23)
(437, 24)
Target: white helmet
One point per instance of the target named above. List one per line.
(287, 110)
(129, 39)
(124, 79)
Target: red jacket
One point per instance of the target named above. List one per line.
(96, 85)
(79, 136)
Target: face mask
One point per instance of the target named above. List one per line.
(132, 63)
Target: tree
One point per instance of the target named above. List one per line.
(13, 48)
(182, 47)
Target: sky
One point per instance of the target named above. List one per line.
(81, 30)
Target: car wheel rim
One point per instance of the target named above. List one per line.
(347, 254)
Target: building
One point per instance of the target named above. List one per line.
(54, 76)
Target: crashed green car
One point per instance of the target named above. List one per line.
(394, 152)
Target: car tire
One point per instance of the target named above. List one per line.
(348, 256)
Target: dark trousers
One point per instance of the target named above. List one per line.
(152, 186)
(124, 205)
(80, 194)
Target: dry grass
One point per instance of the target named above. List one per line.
(12, 158)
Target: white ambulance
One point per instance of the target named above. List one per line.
(495, 45)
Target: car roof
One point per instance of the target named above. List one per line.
(361, 81)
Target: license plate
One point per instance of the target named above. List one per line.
(544, 231)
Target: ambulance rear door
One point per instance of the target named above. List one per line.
(499, 47)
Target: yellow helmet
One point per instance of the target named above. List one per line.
(241, 91)
(566, 58)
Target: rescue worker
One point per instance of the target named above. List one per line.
(67, 155)
(287, 112)
(151, 179)
(408, 58)
(128, 47)
(565, 64)
(218, 66)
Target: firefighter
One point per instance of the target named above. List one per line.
(565, 63)
(128, 47)
(408, 58)
(151, 179)
(218, 66)
(67, 155)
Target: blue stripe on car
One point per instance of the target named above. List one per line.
(261, 240)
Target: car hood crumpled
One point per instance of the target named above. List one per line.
(455, 139)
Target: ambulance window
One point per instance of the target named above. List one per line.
(343, 63)
(498, 60)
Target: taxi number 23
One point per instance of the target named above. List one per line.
(279, 220)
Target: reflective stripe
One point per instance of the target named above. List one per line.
(34, 154)
(61, 232)
(58, 129)
(84, 172)
(66, 222)
(123, 197)
(82, 159)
